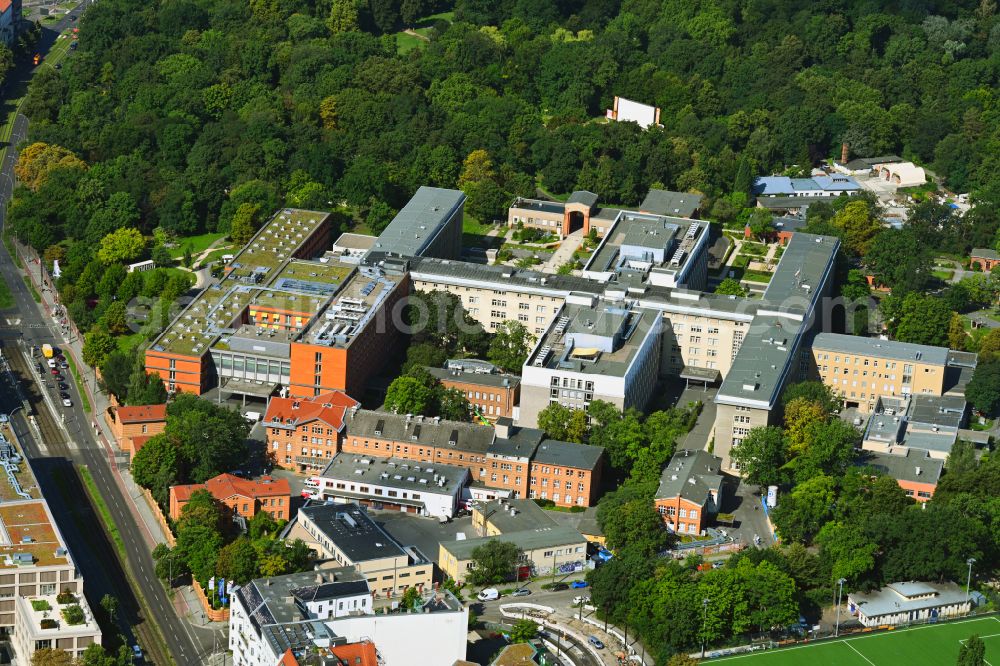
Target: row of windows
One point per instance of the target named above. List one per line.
(682, 513)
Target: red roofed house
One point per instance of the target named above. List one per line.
(304, 433)
(349, 654)
(133, 426)
(986, 259)
(245, 497)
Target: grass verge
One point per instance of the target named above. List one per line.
(102, 509)
(9, 244)
(31, 288)
(78, 380)
(6, 298)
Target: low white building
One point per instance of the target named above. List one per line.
(625, 110)
(906, 602)
(901, 174)
(393, 484)
(321, 609)
(41, 623)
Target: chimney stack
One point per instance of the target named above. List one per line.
(843, 153)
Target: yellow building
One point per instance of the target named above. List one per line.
(344, 535)
(861, 369)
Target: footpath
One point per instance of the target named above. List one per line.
(184, 600)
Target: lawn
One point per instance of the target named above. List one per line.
(127, 343)
(102, 509)
(943, 275)
(78, 380)
(6, 298)
(927, 645)
(407, 42)
(196, 243)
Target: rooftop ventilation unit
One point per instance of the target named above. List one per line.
(543, 355)
(561, 325)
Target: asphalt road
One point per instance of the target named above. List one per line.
(51, 460)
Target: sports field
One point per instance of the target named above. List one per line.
(927, 645)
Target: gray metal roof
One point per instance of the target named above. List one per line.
(419, 221)
(665, 202)
(582, 197)
(420, 431)
(915, 465)
(276, 594)
(802, 269)
(568, 454)
(520, 443)
(351, 529)
(527, 515)
(985, 253)
(457, 272)
(758, 373)
(544, 537)
(478, 378)
(890, 349)
(396, 473)
(897, 598)
(541, 205)
(692, 475)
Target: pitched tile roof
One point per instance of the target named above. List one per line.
(227, 485)
(328, 407)
(142, 413)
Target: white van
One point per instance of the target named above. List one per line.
(252, 417)
(489, 594)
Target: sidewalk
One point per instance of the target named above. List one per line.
(73, 346)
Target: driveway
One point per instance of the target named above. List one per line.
(563, 253)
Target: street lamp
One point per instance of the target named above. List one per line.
(840, 592)
(968, 581)
(704, 621)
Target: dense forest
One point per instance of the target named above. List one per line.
(181, 117)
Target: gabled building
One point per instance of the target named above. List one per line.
(908, 602)
(304, 433)
(690, 491)
(132, 426)
(243, 497)
(916, 472)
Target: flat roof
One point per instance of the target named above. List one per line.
(878, 348)
(396, 473)
(258, 265)
(352, 241)
(350, 310)
(462, 272)
(800, 273)
(419, 221)
(420, 431)
(526, 515)
(566, 344)
(351, 530)
(665, 202)
(915, 466)
(568, 454)
(758, 372)
(543, 537)
(27, 529)
(493, 380)
(273, 600)
(540, 205)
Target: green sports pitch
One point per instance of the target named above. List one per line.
(926, 645)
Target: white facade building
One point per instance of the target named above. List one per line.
(396, 484)
(906, 602)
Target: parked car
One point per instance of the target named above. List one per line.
(52, 363)
(67, 402)
(559, 587)
(63, 386)
(137, 652)
(64, 395)
(579, 600)
(596, 642)
(520, 592)
(58, 377)
(577, 584)
(63, 365)
(4, 418)
(489, 594)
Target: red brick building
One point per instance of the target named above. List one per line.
(566, 473)
(134, 425)
(690, 491)
(245, 497)
(304, 433)
(491, 395)
(985, 259)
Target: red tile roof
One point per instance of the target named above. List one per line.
(227, 485)
(5, 5)
(139, 441)
(328, 407)
(356, 654)
(141, 413)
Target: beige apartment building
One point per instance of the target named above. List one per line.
(862, 369)
(343, 533)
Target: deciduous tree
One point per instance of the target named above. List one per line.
(493, 562)
(510, 346)
(761, 455)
